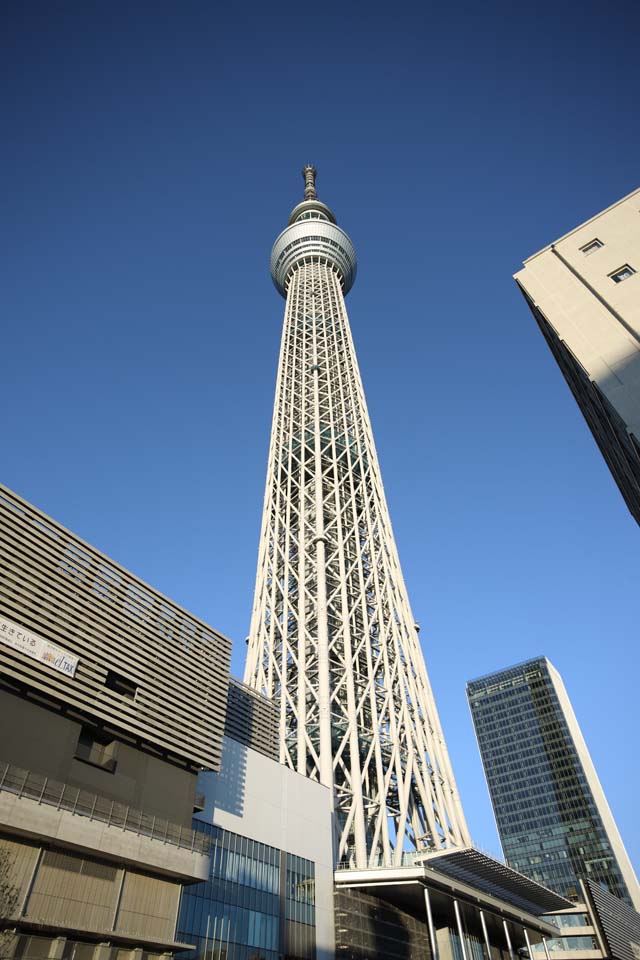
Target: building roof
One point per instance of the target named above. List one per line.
(493, 877)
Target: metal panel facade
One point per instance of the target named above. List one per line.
(252, 719)
(130, 639)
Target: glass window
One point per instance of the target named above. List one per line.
(623, 273)
(591, 247)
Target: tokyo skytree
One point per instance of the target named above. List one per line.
(332, 640)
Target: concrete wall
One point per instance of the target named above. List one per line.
(258, 798)
(45, 742)
(22, 816)
(598, 319)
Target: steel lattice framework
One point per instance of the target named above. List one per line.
(332, 636)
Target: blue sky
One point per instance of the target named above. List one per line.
(151, 156)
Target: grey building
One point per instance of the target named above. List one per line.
(143, 810)
(584, 293)
(112, 699)
(554, 822)
(269, 891)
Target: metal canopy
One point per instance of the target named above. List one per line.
(479, 870)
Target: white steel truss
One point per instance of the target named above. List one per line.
(332, 639)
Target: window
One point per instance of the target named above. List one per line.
(622, 273)
(97, 748)
(591, 247)
(120, 684)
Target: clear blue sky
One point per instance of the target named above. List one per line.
(151, 155)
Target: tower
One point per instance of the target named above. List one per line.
(332, 637)
(552, 815)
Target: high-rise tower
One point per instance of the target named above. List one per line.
(554, 822)
(332, 636)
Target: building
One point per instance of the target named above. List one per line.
(458, 904)
(332, 636)
(140, 817)
(600, 927)
(584, 292)
(269, 893)
(99, 754)
(554, 822)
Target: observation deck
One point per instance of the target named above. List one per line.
(311, 236)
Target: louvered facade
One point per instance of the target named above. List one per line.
(64, 600)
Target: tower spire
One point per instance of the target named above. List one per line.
(309, 176)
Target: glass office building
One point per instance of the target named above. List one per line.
(552, 816)
(258, 903)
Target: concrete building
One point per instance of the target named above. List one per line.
(269, 893)
(143, 810)
(99, 754)
(455, 905)
(554, 822)
(584, 292)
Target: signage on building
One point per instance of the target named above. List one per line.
(11, 635)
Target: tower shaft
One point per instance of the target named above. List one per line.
(332, 636)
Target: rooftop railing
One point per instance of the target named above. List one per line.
(82, 803)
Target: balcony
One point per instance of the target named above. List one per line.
(37, 806)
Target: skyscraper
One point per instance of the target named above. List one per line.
(332, 636)
(554, 822)
(584, 292)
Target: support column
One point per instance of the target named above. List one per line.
(528, 943)
(432, 932)
(324, 685)
(30, 884)
(102, 951)
(463, 948)
(485, 934)
(56, 948)
(546, 948)
(508, 939)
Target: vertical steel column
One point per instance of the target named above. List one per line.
(546, 948)
(460, 930)
(485, 934)
(526, 940)
(508, 938)
(432, 932)
(32, 880)
(324, 681)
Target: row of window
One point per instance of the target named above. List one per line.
(622, 273)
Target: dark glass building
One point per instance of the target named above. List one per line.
(554, 822)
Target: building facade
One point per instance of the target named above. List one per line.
(99, 753)
(584, 292)
(143, 808)
(455, 905)
(553, 819)
(269, 891)
(332, 638)
(600, 927)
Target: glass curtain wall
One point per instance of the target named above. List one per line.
(258, 903)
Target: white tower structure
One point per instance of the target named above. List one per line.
(332, 636)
